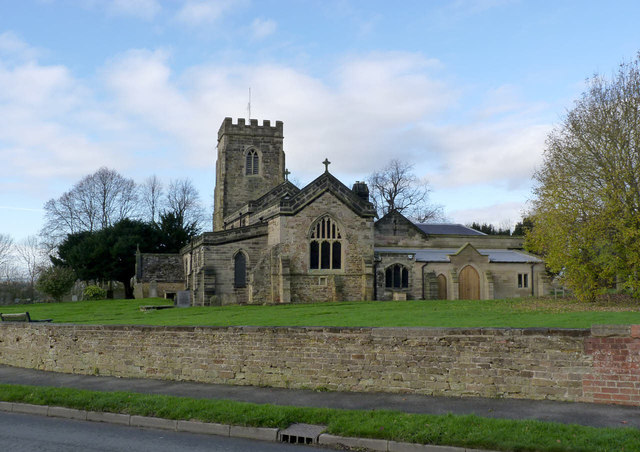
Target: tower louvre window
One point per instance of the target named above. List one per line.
(252, 164)
(325, 245)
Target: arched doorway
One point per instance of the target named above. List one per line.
(469, 284)
(442, 287)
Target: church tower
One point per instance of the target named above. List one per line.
(250, 163)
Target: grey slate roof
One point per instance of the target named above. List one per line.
(442, 254)
(447, 229)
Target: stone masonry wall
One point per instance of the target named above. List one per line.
(601, 365)
(354, 280)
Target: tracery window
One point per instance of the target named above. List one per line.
(396, 276)
(253, 163)
(325, 246)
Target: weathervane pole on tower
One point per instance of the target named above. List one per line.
(249, 106)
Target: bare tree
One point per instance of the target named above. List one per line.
(6, 246)
(150, 195)
(183, 200)
(95, 202)
(33, 257)
(396, 187)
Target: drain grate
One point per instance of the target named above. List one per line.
(301, 433)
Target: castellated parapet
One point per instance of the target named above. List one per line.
(242, 128)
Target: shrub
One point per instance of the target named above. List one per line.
(56, 281)
(94, 293)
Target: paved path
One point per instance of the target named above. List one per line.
(569, 413)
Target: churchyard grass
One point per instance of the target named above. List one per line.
(464, 431)
(517, 313)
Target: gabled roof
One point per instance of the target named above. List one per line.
(323, 184)
(447, 229)
(276, 193)
(395, 216)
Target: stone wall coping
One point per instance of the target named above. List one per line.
(596, 330)
(611, 330)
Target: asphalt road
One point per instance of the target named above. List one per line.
(27, 433)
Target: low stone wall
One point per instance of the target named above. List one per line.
(597, 365)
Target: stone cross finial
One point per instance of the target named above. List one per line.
(286, 174)
(326, 164)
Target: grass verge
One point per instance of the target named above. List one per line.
(464, 431)
(517, 313)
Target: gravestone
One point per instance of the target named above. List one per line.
(153, 289)
(183, 299)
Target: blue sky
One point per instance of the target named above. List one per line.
(465, 90)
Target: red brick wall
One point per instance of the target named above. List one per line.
(615, 369)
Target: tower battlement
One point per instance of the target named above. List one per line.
(250, 163)
(253, 128)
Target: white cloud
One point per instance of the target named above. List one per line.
(144, 9)
(488, 152)
(261, 28)
(499, 215)
(200, 12)
(45, 131)
(370, 109)
(374, 108)
(11, 46)
(355, 120)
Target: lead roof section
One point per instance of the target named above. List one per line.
(447, 229)
(442, 255)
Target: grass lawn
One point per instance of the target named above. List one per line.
(517, 313)
(464, 431)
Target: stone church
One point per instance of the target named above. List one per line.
(273, 242)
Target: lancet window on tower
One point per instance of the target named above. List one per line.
(253, 163)
(325, 245)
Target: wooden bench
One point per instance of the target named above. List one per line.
(20, 317)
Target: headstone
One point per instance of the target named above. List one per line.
(74, 298)
(153, 289)
(183, 298)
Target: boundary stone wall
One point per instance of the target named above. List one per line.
(598, 365)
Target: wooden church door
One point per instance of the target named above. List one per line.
(442, 287)
(469, 284)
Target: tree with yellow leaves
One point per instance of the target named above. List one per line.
(586, 206)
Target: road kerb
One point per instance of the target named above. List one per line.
(260, 433)
(110, 418)
(204, 427)
(67, 413)
(153, 422)
(27, 408)
(6, 406)
(361, 443)
(395, 446)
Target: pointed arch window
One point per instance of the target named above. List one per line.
(325, 245)
(252, 164)
(396, 276)
(240, 270)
